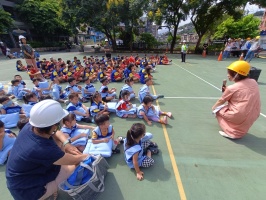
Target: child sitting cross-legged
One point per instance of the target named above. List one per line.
(104, 132)
(107, 95)
(124, 108)
(79, 109)
(97, 105)
(10, 107)
(138, 149)
(150, 113)
(78, 134)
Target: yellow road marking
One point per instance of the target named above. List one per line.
(172, 158)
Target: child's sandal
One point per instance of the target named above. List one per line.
(153, 150)
(116, 151)
(154, 145)
(121, 139)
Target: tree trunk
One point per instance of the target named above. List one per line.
(198, 43)
(174, 39)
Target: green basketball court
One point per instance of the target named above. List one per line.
(194, 162)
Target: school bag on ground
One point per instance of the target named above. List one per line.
(87, 181)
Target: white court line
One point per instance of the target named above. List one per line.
(206, 82)
(192, 98)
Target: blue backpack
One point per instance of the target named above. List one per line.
(81, 174)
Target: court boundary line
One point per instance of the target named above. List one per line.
(179, 183)
(204, 80)
(204, 98)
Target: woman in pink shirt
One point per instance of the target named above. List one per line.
(243, 99)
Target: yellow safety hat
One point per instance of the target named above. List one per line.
(248, 38)
(241, 67)
(258, 37)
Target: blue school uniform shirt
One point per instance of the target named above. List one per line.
(144, 90)
(96, 107)
(143, 76)
(103, 91)
(127, 72)
(69, 131)
(128, 88)
(72, 107)
(30, 164)
(54, 74)
(76, 107)
(131, 151)
(97, 134)
(12, 109)
(18, 91)
(100, 76)
(8, 143)
(90, 89)
(74, 87)
(113, 75)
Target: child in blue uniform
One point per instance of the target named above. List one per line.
(18, 89)
(97, 105)
(70, 127)
(80, 110)
(145, 90)
(124, 108)
(10, 107)
(116, 76)
(58, 94)
(138, 149)
(72, 87)
(149, 112)
(128, 86)
(7, 139)
(30, 99)
(107, 95)
(88, 90)
(104, 132)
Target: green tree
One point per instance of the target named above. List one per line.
(101, 15)
(206, 13)
(245, 27)
(130, 12)
(44, 16)
(6, 22)
(149, 40)
(170, 13)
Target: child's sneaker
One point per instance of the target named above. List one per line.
(160, 96)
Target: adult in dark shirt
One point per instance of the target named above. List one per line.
(28, 52)
(107, 49)
(42, 156)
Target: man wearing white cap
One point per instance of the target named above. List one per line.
(28, 52)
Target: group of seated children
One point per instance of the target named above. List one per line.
(137, 145)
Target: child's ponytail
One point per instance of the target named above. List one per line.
(136, 131)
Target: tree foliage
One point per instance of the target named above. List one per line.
(242, 28)
(206, 13)
(6, 22)
(149, 40)
(170, 12)
(44, 16)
